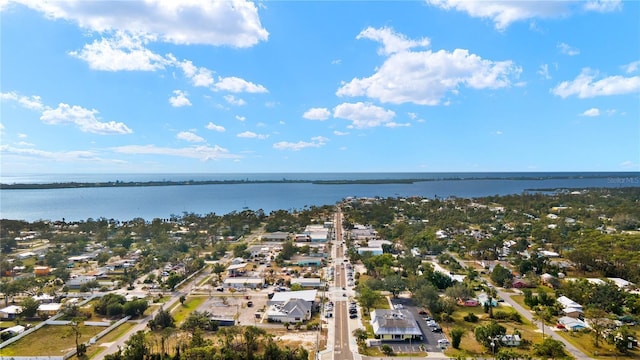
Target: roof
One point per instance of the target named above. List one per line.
(296, 306)
(236, 266)
(390, 322)
(303, 281)
(12, 309)
(49, 307)
(18, 329)
(284, 296)
(243, 280)
(572, 322)
(568, 303)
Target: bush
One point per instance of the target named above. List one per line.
(470, 317)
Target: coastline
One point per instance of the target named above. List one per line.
(118, 183)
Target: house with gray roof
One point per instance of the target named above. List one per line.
(395, 325)
(293, 311)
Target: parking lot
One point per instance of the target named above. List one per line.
(430, 341)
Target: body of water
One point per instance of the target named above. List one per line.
(126, 203)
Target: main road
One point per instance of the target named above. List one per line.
(341, 348)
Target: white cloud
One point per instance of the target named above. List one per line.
(543, 71)
(22, 136)
(584, 85)
(603, 5)
(189, 136)
(391, 41)
(498, 132)
(631, 67)
(425, 77)
(236, 85)
(336, 62)
(315, 142)
(252, 135)
(121, 52)
(60, 156)
(363, 115)
(234, 23)
(340, 133)
(412, 115)
(214, 127)
(568, 49)
(25, 144)
(317, 114)
(180, 99)
(33, 102)
(630, 165)
(202, 152)
(84, 119)
(199, 76)
(591, 112)
(505, 12)
(234, 101)
(393, 124)
(241, 118)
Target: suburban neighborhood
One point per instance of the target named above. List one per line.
(513, 277)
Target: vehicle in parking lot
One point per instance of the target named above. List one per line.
(437, 330)
(344, 295)
(353, 316)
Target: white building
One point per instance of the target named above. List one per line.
(293, 311)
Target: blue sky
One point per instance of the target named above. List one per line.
(287, 86)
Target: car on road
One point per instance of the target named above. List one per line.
(249, 303)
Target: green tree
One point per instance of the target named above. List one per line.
(162, 320)
(456, 337)
(29, 307)
(386, 349)
(549, 348)
(367, 297)
(136, 347)
(360, 335)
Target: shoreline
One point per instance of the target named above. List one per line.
(118, 183)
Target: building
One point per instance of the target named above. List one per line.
(570, 307)
(41, 270)
(307, 282)
(10, 312)
(49, 309)
(468, 302)
(236, 270)
(521, 284)
(78, 281)
(284, 296)
(275, 236)
(510, 340)
(293, 311)
(243, 283)
(570, 323)
(305, 261)
(371, 250)
(483, 298)
(394, 325)
(14, 330)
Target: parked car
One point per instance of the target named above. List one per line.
(437, 330)
(353, 316)
(249, 303)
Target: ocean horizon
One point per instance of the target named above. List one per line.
(149, 202)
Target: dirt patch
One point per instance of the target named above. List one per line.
(306, 339)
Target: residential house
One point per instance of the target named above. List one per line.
(468, 302)
(10, 312)
(372, 250)
(570, 323)
(293, 311)
(45, 310)
(78, 281)
(41, 270)
(570, 307)
(521, 284)
(14, 330)
(394, 325)
(236, 270)
(510, 340)
(305, 261)
(483, 298)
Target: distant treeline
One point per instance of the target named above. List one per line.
(118, 183)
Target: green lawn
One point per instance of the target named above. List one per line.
(180, 312)
(585, 342)
(112, 336)
(49, 340)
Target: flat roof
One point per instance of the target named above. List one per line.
(284, 296)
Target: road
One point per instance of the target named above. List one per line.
(341, 348)
(548, 331)
(141, 324)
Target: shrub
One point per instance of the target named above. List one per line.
(470, 317)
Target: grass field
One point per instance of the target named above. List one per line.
(469, 347)
(180, 312)
(585, 342)
(49, 340)
(112, 336)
